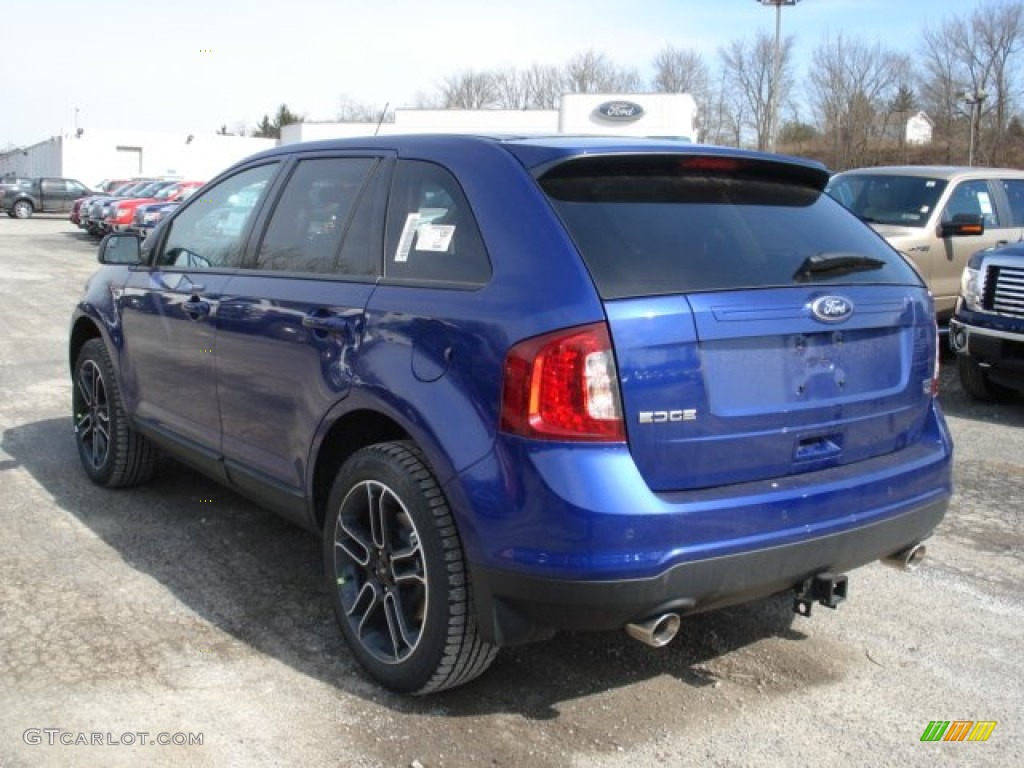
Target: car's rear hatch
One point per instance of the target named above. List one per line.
(759, 329)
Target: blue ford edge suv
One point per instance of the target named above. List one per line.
(523, 385)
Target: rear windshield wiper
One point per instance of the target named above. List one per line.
(835, 264)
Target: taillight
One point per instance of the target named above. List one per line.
(563, 386)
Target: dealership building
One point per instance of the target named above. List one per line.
(90, 156)
(665, 115)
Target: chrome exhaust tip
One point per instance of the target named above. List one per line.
(657, 632)
(908, 559)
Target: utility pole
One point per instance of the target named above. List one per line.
(773, 97)
(973, 99)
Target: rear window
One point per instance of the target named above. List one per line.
(655, 226)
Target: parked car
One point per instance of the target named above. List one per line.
(42, 195)
(148, 216)
(99, 207)
(85, 204)
(987, 329)
(122, 213)
(527, 385)
(937, 216)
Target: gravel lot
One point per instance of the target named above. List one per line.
(180, 610)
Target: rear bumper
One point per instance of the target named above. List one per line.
(570, 537)
(513, 608)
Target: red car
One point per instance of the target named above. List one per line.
(123, 213)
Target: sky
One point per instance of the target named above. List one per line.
(195, 65)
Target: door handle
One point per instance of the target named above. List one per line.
(327, 323)
(195, 307)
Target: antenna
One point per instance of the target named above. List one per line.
(381, 120)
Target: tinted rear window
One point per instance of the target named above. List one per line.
(649, 227)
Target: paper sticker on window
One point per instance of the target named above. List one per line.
(985, 204)
(434, 237)
(408, 233)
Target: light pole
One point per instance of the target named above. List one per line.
(773, 99)
(974, 100)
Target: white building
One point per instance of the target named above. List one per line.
(96, 155)
(919, 129)
(635, 114)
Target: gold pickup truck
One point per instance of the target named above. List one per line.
(937, 216)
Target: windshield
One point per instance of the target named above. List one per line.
(906, 201)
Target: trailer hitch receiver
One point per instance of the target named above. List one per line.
(828, 589)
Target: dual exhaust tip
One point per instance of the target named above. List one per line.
(907, 559)
(658, 631)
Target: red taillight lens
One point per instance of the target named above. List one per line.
(563, 386)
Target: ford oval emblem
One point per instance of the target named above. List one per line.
(620, 111)
(832, 309)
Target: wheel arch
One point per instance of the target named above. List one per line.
(83, 329)
(347, 434)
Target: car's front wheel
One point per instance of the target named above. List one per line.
(22, 209)
(397, 574)
(113, 454)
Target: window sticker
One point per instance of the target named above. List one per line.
(929, 184)
(435, 238)
(985, 203)
(405, 241)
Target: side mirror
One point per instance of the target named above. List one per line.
(963, 224)
(120, 248)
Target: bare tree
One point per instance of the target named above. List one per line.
(350, 111)
(511, 89)
(593, 72)
(721, 119)
(680, 70)
(544, 85)
(999, 34)
(469, 90)
(940, 84)
(850, 86)
(749, 68)
(975, 54)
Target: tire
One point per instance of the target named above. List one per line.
(396, 572)
(113, 454)
(23, 209)
(975, 381)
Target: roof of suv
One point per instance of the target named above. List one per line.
(537, 151)
(938, 171)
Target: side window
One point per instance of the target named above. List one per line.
(431, 232)
(1014, 189)
(971, 197)
(209, 232)
(307, 225)
(52, 186)
(76, 188)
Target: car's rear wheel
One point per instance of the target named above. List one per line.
(112, 453)
(976, 383)
(394, 561)
(23, 209)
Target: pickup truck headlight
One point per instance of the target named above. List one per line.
(971, 287)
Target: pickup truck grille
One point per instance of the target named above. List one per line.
(1004, 290)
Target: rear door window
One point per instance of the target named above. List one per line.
(310, 219)
(654, 226)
